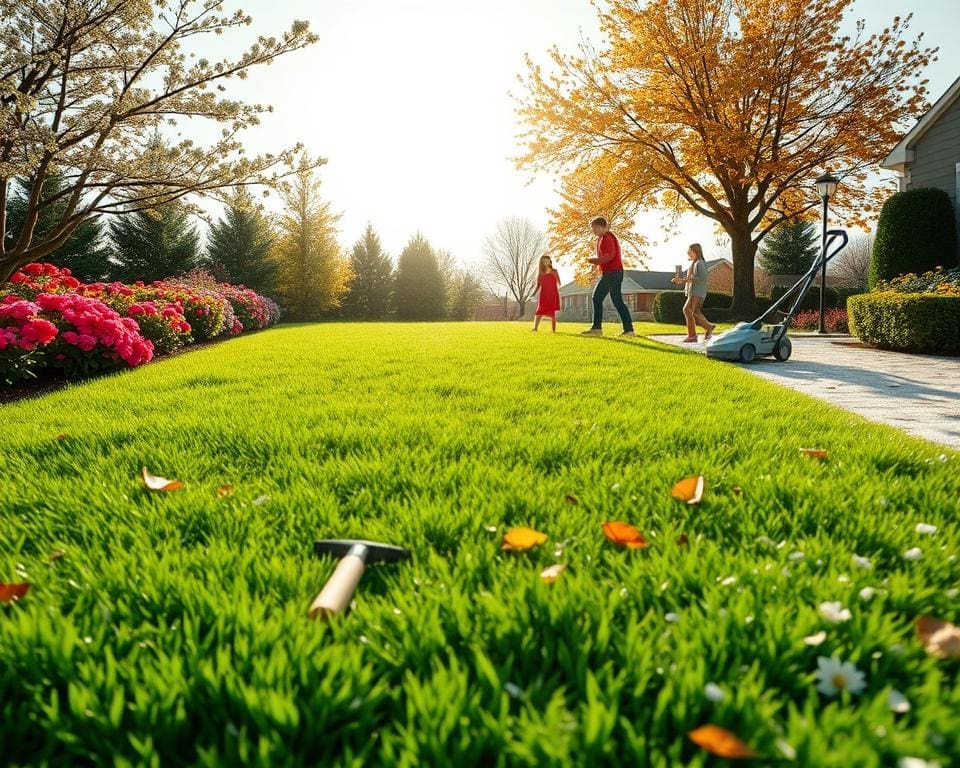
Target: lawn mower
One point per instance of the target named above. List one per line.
(745, 341)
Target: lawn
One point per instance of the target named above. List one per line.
(171, 628)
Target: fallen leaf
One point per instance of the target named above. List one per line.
(54, 556)
(155, 483)
(815, 453)
(61, 437)
(940, 638)
(683, 540)
(572, 500)
(624, 533)
(719, 741)
(551, 573)
(12, 592)
(737, 490)
(690, 489)
(522, 539)
(224, 490)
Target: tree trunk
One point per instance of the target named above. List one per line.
(744, 252)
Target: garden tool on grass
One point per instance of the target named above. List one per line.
(354, 555)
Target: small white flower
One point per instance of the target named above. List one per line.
(815, 639)
(714, 692)
(261, 500)
(786, 749)
(916, 762)
(615, 487)
(728, 581)
(834, 611)
(843, 578)
(835, 676)
(862, 562)
(798, 555)
(952, 592)
(513, 690)
(914, 553)
(671, 617)
(898, 702)
(766, 541)
(926, 529)
(867, 593)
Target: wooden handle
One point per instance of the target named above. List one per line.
(336, 593)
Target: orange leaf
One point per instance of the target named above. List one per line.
(155, 483)
(224, 490)
(522, 539)
(625, 534)
(940, 638)
(815, 453)
(690, 489)
(12, 592)
(551, 573)
(572, 500)
(719, 741)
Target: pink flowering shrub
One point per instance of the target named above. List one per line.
(34, 279)
(23, 334)
(249, 306)
(809, 320)
(159, 320)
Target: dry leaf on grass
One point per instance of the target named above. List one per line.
(11, 592)
(940, 638)
(551, 573)
(690, 489)
(61, 437)
(572, 500)
(625, 534)
(815, 453)
(719, 741)
(737, 490)
(224, 490)
(54, 556)
(155, 483)
(522, 539)
(683, 540)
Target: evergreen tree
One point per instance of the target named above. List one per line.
(371, 291)
(790, 248)
(468, 295)
(83, 253)
(312, 274)
(239, 244)
(419, 292)
(154, 244)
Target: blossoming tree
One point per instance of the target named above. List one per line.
(728, 108)
(83, 86)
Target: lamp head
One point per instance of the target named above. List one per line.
(827, 185)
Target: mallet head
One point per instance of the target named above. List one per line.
(368, 551)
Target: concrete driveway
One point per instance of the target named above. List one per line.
(920, 394)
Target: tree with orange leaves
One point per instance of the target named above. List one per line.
(728, 108)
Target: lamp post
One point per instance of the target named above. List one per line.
(826, 186)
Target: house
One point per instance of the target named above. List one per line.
(499, 308)
(639, 289)
(929, 155)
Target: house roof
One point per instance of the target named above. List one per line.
(902, 154)
(638, 281)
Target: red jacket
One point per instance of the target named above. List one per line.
(608, 252)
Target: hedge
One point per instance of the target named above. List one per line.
(832, 298)
(668, 305)
(907, 322)
(915, 233)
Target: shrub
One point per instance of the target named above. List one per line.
(809, 320)
(203, 301)
(915, 233)
(34, 279)
(941, 281)
(23, 333)
(249, 307)
(668, 305)
(832, 298)
(907, 322)
(159, 320)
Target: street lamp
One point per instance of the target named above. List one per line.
(826, 187)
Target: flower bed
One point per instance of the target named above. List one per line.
(49, 320)
(809, 320)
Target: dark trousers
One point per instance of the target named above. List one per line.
(610, 284)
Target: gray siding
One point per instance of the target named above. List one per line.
(936, 156)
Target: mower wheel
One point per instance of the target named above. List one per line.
(783, 349)
(748, 353)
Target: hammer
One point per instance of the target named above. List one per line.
(355, 554)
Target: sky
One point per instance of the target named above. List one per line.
(409, 102)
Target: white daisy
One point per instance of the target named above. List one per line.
(672, 618)
(914, 553)
(862, 562)
(926, 528)
(835, 612)
(916, 762)
(835, 676)
(714, 692)
(816, 639)
(867, 593)
(798, 555)
(898, 702)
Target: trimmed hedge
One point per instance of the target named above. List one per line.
(668, 305)
(907, 322)
(832, 299)
(915, 233)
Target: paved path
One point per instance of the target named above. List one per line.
(920, 394)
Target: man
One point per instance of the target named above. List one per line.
(611, 279)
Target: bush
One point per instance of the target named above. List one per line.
(832, 298)
(668, 305)
(809, 320)
(941, 281)
(907, 322)
(915, 233)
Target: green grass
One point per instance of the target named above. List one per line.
(173, 630)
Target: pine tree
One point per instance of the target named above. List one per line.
(420, 292)
(312, 274)
(239, 245)
(468, 294)
(151, 245)
(371, 291)
(83, 253)
(790, 249)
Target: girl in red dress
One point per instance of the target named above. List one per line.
(548, 283)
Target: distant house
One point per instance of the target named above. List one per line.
(499, 308)
(929, 155)
(639, 289)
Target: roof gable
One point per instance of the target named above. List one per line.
(902, 154)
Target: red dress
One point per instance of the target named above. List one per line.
(549, 302)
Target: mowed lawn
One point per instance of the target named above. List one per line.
(172, 629)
